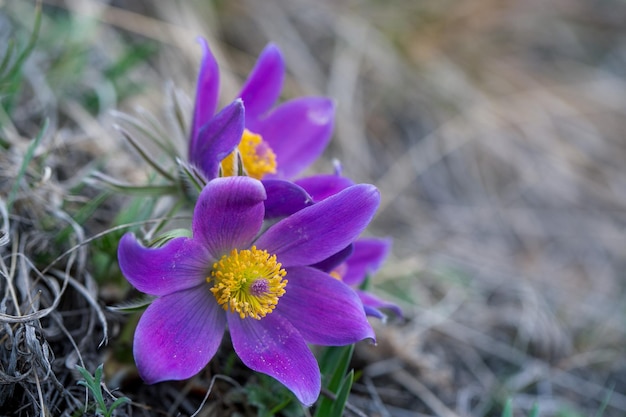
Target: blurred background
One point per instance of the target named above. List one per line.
(496, 132)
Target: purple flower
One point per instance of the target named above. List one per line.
(259, 284)
(365, 257)
(269, 143)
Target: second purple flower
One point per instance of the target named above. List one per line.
(264, 142)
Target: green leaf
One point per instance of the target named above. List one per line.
(93, 384)
(534, 412)
(342, 396)
(116, 404)
(7, 55)
(333, 365)
(98, 373)
(87, 378)
(508, 409)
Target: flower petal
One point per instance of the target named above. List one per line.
(273, 346)
(217, 138)
(323, 229)
(372, 312)
(323, 186)
(323, 309)
(333, 261)
(179, 264)
(262, 88)
(284, 198)
(298, 132)
(367, 258)
(178, 335)
(370, 300)
(207, 89)
(229, 214)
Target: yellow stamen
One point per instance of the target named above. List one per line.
(339, 272)
(335, 274)
(248, 282)
(257, 157)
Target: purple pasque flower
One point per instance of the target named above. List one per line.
(364, 257)
(273, 143)
(259, 284)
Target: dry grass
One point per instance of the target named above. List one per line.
(495, 130)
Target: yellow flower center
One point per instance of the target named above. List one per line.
(248, 282)
(253, 157)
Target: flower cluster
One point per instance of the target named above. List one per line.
(277, 285)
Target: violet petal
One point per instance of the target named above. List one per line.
(323, 186)
(284, 198)
(179, 264)
(263, 86)
(323, 229)
(373, 301)
(323, 309)
(217, 138)
(298, 131)
(207, 92)
(367, 258)
(228, 214)
(330, 263)
(273, 346)
(178, 335)
(372, 312)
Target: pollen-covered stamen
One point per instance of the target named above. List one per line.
(257, 157)
(336, 275)
(248, 282)
(339, 272)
